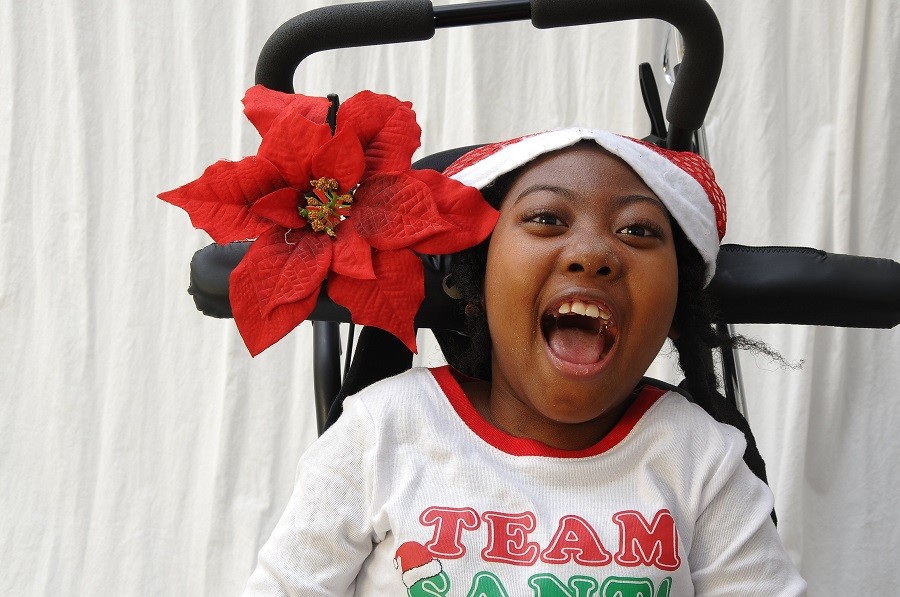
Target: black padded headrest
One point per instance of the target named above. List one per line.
(440, 160)
(790, 285)
(793, 285)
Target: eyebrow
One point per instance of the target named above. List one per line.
(631, 199)
(545, 187)
(619, 202)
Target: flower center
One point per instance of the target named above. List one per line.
(325, 207)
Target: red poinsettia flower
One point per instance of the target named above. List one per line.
(343, 206)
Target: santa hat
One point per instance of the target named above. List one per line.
(682, 180)
(416, 563)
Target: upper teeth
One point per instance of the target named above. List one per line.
(586, 309)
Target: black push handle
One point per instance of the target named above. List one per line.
(698, 73)
(340, 26)
(396, 21)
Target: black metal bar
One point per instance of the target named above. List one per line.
(395, 21)
(650, 94)
(729, 372)
(340, 26)
(326, 367)
(481, 13)
(348, 358)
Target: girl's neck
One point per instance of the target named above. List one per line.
(509, 414)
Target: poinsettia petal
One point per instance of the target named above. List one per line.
(290, 144)
(341, 159)
(391, 300)
(281, 207)
(284, 267)
(352, 254)
(385, 126)
(260, 329)
(263, 106)
(468, 219)
(219, 201)
(394, 211)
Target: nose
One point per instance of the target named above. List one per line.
(593, 256)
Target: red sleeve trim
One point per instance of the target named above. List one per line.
(518, 446)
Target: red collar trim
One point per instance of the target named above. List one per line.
(518, 446)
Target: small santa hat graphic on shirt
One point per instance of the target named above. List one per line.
(416, 563)
(682, 180)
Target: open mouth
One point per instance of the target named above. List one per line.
(579, 333)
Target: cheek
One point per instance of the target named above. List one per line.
(500, 261)
(656, 292)
(510, 292)
(663, 294)
(502, 295)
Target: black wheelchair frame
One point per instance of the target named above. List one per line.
(768, 284)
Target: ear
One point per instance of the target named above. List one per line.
(674, 334)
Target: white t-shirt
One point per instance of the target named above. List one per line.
(413, 493)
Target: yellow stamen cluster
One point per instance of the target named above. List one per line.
(326, 208)
(325, 184)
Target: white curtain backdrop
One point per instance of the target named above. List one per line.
(143, 452)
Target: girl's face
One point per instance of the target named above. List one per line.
(580, 290)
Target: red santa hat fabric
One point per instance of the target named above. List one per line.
(682, 180)
(416, 563)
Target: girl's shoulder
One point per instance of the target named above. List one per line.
(674, 418)
(411, 393)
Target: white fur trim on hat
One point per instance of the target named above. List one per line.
(428, 570)
(684, 197)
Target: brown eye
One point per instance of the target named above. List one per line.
(544, 218)
(639, 230)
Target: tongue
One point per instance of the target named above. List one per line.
(576, 345)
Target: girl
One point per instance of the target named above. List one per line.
(553, 468)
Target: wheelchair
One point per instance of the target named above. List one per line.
(752, 284)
